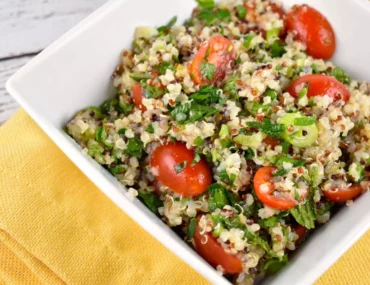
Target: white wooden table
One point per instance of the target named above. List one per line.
(26, 28)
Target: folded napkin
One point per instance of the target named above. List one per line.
(56, 227)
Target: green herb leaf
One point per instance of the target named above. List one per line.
(206, 4)
(270, 93)
(324, 207)
(192, 112)
(139, 78)
(340, 75)
(241, 11)
(274, 265)
(151, 200)
(179, 167)
(272, 221)
(249, 154)
(302, 93)
(163, 66)
(286, 146)
(198, 141)
(123, 106)
(196, 159)
(150, 129)
(218, 197)
(304, 121)
(270, 129)
(277, 49)
(134, 147)
(206, 95)
(248, 39)
(231, 87)
(122, 131)
(150, 91)
(209, 17)
(118, 169)
(207, 70)
(191, 228)
(101, 136)
(305, 212)
(272, 35)
(165, 29)
(256, 108)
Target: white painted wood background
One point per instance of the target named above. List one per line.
(26, 28)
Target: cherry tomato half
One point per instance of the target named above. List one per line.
(210, 249)
(343, 195)
(171, 164)
(301, 231)
(138, 96)
(319, 84)
(272, 142)
(313, 29)
(210, 63)
(262, 179)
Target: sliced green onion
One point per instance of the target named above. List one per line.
(224, 132)
(248, 40)
(305, 121)
(272, 35)
(252, 141)
(299, 136)
(191, 227)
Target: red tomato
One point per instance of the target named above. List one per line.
(219, 52)
(209, 248)
(189, 180)
(263, 177)
(272, 142)
(138, 96)
(319, 84)
(343, 195)
(301, 231)
(313, 29)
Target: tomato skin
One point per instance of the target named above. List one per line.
(264, 176)
(272, 142)
(191, 181)
(301, 231)
(320, 84)
(138, 96)
(343, 195)
(313, 29)
(213, 252)
(219, 54)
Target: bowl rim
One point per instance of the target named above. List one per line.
(140, 214)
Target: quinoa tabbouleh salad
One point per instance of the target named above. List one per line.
(234, 130)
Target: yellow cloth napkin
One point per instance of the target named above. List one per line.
(56, 227)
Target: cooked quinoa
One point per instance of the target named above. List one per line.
(244, 122)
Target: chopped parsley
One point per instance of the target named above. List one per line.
(270, 129)
(192, 112)
(207, 70)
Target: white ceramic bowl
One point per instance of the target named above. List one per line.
(74, 72)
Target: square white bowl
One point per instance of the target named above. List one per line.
(74, 72)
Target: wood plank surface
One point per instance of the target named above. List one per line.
(26, 28)
(7, 104)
